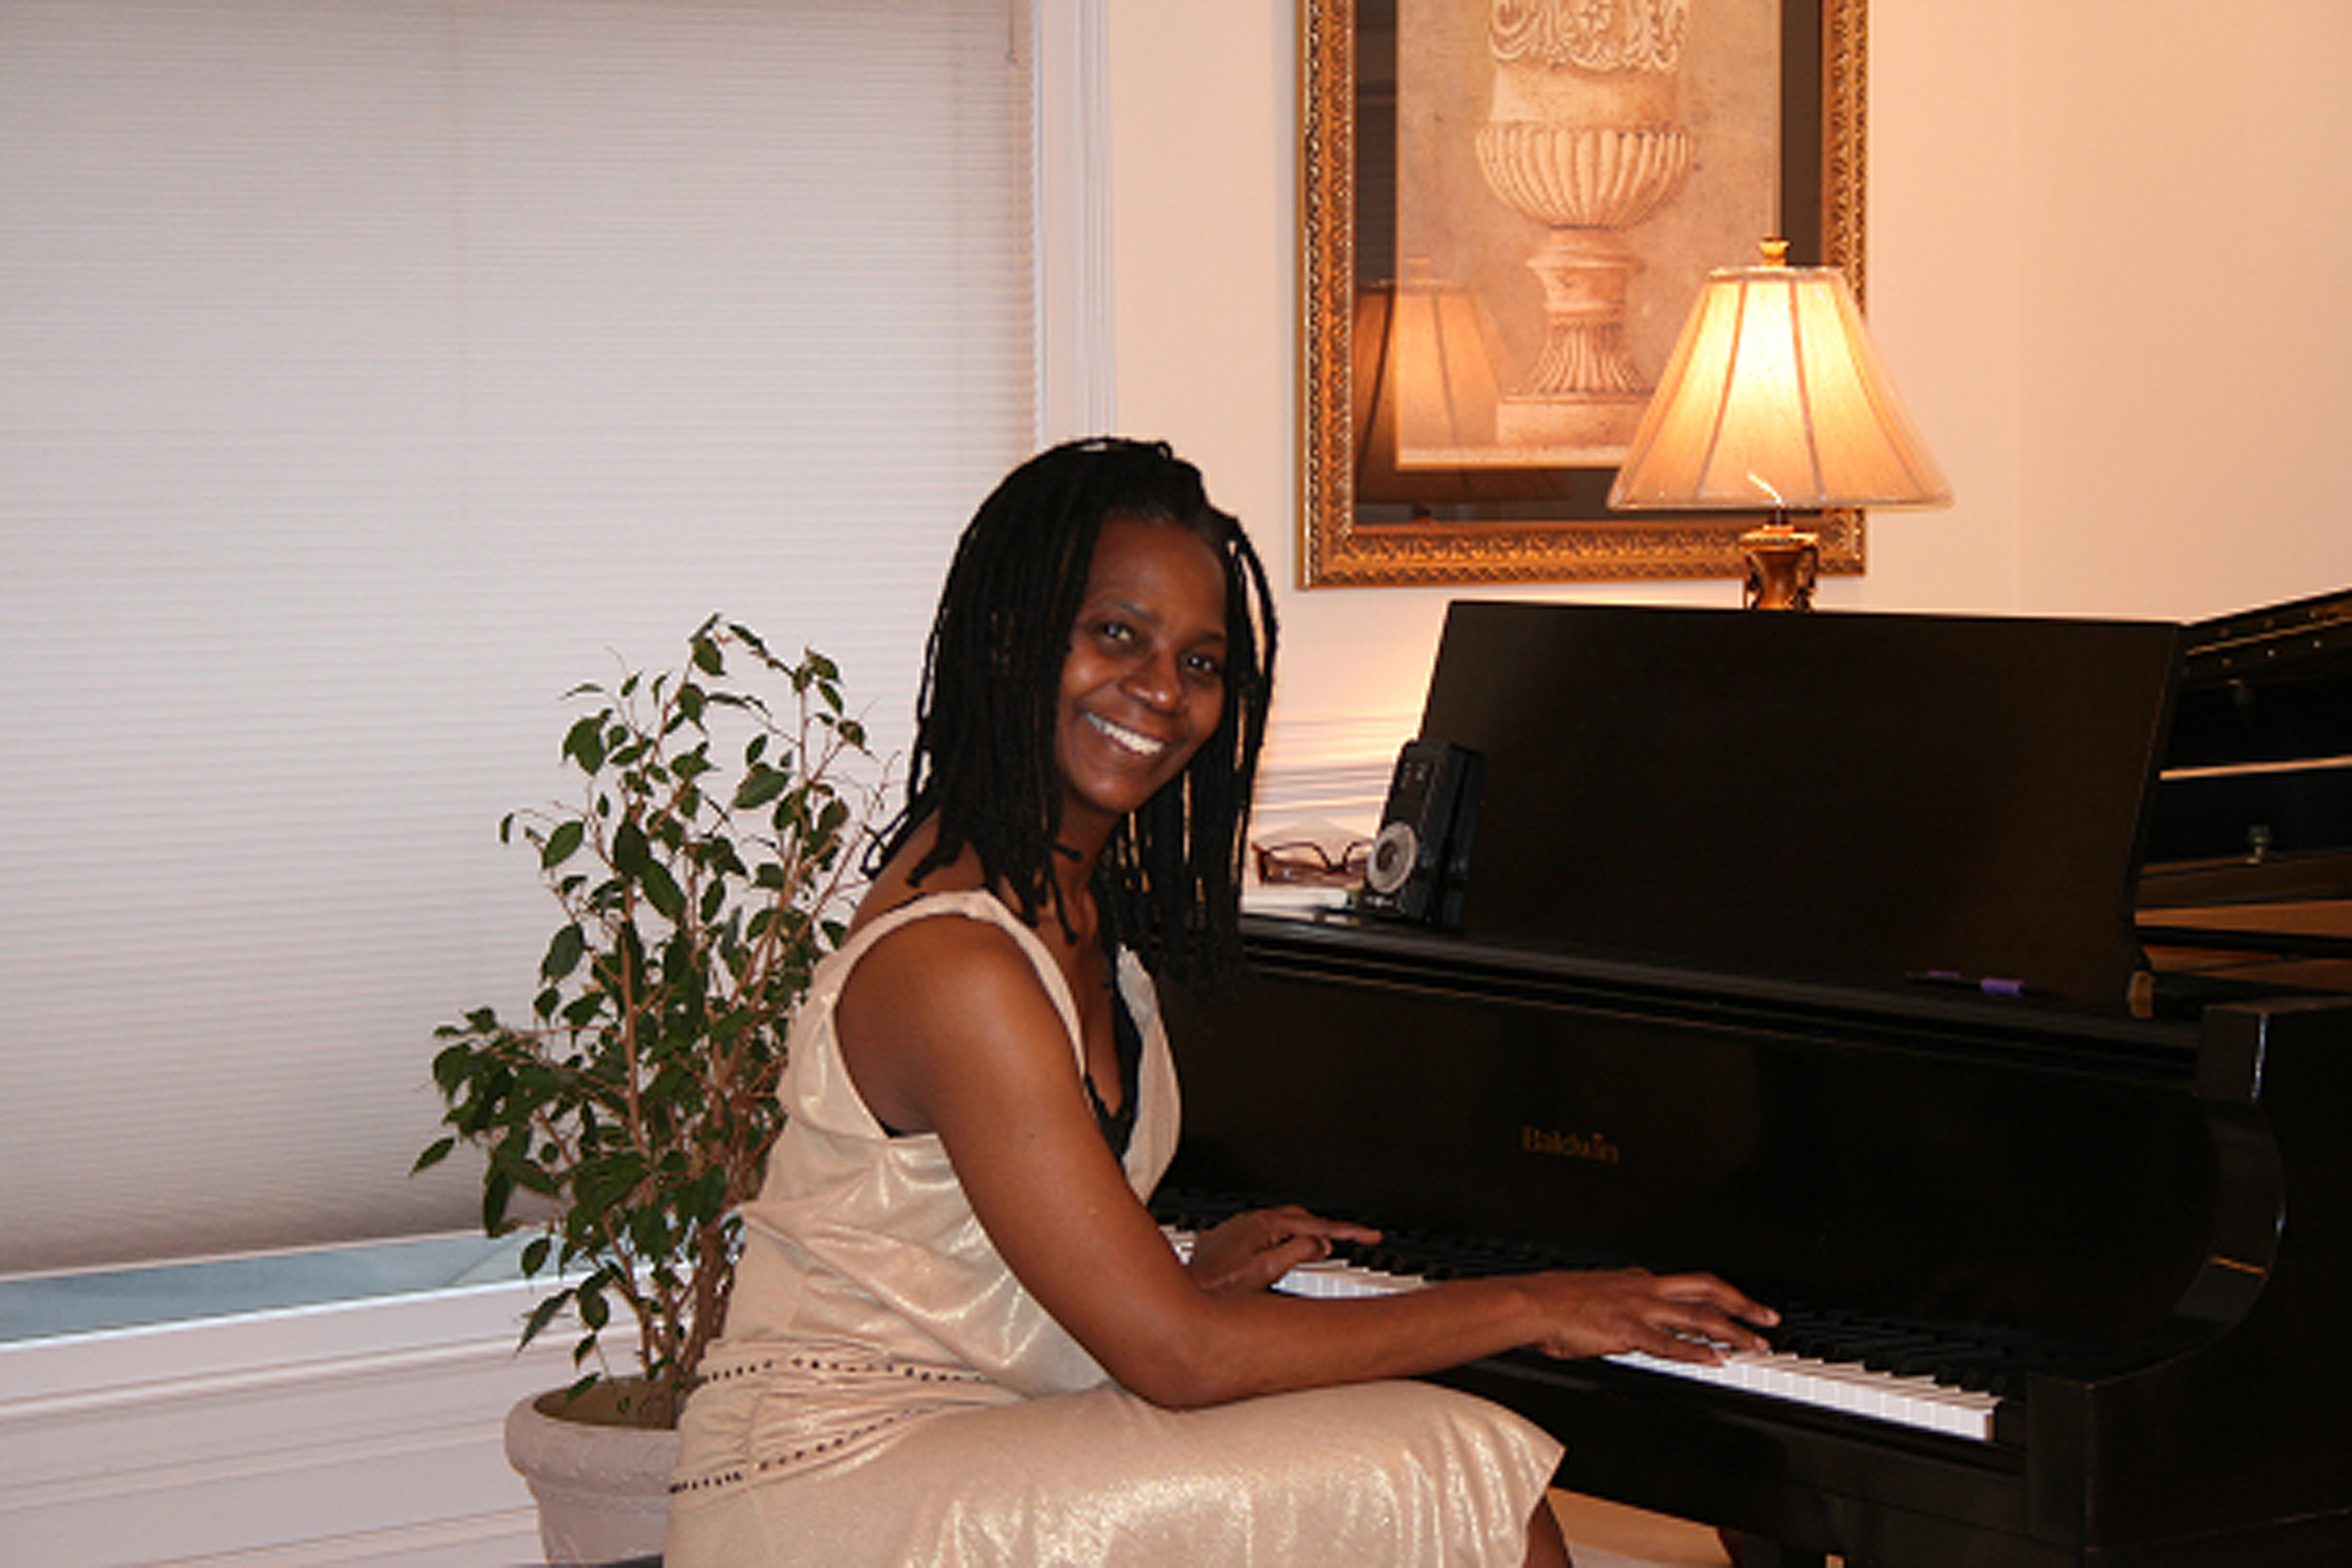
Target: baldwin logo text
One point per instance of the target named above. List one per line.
(1594, 1147)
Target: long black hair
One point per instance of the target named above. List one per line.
(983, 768)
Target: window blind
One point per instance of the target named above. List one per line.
(374, 375)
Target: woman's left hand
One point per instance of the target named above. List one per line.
(1250, 1252)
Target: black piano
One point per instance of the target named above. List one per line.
(1808, 950)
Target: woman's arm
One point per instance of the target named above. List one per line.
(947, 1028)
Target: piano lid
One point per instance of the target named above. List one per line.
(1857, 799)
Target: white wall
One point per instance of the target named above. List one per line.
(2187, 331)
(2096, 242)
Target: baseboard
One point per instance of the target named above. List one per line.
(509, 1538)
(363, 1432)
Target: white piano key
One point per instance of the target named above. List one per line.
(1844, 1387)
(1848, 1387)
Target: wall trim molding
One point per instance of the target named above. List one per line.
(1077, 375)
(1330, 766)
(366, 1431)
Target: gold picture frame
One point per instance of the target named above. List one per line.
(1473, 524)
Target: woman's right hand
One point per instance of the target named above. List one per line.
(1684, 1317)
(1250, 1252)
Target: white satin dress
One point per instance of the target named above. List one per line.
(887, 1394)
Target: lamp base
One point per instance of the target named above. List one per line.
(1782, 565)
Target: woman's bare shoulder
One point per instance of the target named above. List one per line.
(946, 1005)
(951, 941)
(949, 971)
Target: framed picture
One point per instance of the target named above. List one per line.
(1506, 208)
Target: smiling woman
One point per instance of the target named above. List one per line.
(958, 1335)
(1144, 684)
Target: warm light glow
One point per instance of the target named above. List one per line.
(1774, 399)
(1442, 369)
(1428, 373)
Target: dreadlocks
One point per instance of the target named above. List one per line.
(1168, 881)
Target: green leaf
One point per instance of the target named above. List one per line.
(661, 889)
(585, 742)
(435, 1152)
(599, 1186)
(543, 1313)
(497, 1190)
(562, 844)
(706, 1198)
(760, 786)
(450, 1068)
(631, 854)
(564, 950)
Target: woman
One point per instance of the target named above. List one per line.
(956, 1335)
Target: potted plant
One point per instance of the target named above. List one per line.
(634, 1112)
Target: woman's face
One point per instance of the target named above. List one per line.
(1144, 682)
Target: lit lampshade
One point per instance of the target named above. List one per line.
(1774, 399)
(1427, 384)
(1441, 381)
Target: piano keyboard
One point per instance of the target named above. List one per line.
(1915, 1401)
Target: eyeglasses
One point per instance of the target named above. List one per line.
(1310, 864)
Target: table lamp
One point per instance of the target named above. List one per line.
(1774, 398)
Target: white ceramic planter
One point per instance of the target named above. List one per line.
(603, 1490)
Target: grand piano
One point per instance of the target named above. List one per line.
(1826, 953)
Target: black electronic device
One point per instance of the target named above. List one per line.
(1420, 860)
